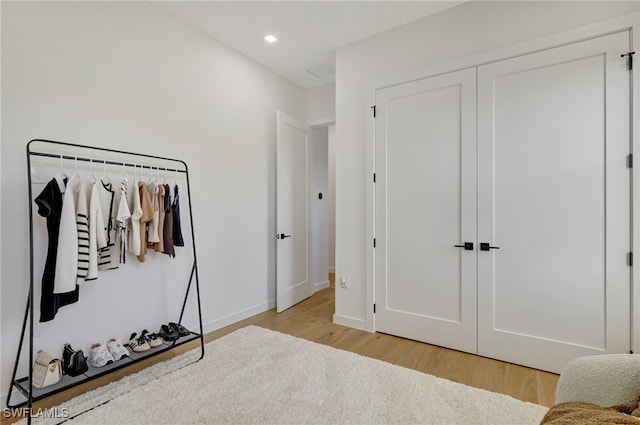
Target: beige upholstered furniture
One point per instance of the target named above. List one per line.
(605, 380)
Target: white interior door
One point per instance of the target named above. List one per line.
(425, 155)
(292, 252)
(554, 196)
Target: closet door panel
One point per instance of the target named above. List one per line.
(554, 196)
(425, 204)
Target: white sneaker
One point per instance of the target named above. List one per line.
(138, 343)
(116, 349)
(99, 355)
(152, 339)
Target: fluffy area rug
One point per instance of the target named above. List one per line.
(259, 376)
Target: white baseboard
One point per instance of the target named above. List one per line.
(319, 286)
(232, 318)
(351, 322)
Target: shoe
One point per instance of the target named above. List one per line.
(116, 349)
(181, 330)
(168, 333)
(138, 343)
(152, 338)
(99, 356)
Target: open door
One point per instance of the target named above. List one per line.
(292, 252)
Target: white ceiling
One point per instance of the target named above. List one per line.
(308, 32)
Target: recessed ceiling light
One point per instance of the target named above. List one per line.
(271, 39)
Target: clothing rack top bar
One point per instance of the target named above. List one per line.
(101, 161)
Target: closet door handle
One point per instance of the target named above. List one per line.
(485, 246)
(282, 236)
(468, 246)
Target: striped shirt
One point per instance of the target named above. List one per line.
(122, 219)
(82, 223)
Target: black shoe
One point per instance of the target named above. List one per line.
(181, 330)
(168, 333)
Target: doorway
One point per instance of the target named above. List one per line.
(305, 210)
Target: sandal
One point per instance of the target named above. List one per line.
(181, 330)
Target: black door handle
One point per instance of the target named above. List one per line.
(468, 246)
(485, 246)
(282, 236)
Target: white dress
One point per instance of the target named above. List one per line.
(67, 255)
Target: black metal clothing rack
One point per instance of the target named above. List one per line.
(25, 385)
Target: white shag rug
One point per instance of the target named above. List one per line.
(259, 376)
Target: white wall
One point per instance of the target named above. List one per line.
(126, 75)
(467, 30)
(320, 104)
(318, 208)
(332, 198)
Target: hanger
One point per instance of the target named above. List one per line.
(75, 169)
(63, 174)
(91, 176)
(105, 178)
(125, 176)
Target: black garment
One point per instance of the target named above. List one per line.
(177, 231)
(167, 229)
(49, 203)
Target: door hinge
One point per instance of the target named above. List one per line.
(374, 177)
(630, 54)
(630, 257)
(374, 308)
(630, 160)
(374, 110)
(374, 242)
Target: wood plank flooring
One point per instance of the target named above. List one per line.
(312, 319)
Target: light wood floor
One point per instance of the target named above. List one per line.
(312, 319)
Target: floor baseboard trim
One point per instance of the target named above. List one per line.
(320, 286)
(351, 322)
(232, 318)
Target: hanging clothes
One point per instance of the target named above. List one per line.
(145, 219)
(177, 230)
(82, 226)
(67, 255)
(97, 230)
(167, 230)
(106, 194)
(122, 218)
(159, 246)
(152, 234)
(136, 215)
(49, 203)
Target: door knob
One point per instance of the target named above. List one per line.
(282, 236)
(468, 246)
(485, 246)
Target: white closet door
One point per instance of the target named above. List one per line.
(554, 196)
(292, 202)
(425, 155)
